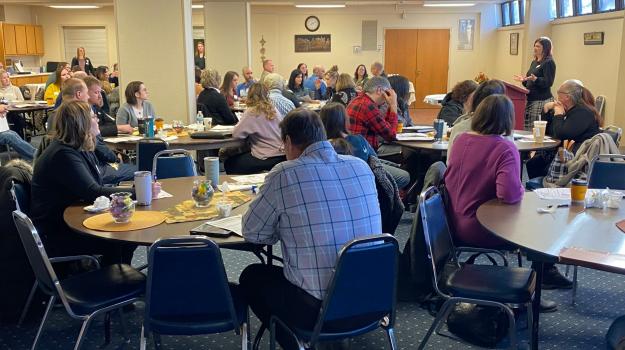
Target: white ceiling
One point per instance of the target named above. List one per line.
(254, 2)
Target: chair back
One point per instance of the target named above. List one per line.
(173, 163)
(146, 149)
(36, 253)
(187, 278)
(364, 283)
(438, 243)
(21, 196)
(615, 132)
(607, 170)
(600, 104)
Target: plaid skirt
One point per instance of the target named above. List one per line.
(533, 111)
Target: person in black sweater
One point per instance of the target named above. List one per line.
(454, 102)
(538, 80)
(213, 100)
(572, 117)
(81, 60)
(67, 173)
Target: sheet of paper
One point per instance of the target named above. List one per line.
(419, 127)
(526, 140)
(414, 137)
(222, 128)
(250, 179)
(122, 139)
(232, 223)
(4, 124)
(236, 187)
(169, 138)
(561, 194)
(164, 194)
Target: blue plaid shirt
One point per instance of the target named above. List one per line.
(314, 205)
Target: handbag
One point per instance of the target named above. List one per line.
(483, 326)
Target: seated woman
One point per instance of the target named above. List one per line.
(229, 86)
(198, 78)
(463, 123)
(330, 79)
(54, 89)
(66, 173)
(102, 73)
(260, 126)
(214, 101)
(487, 166)
(401, 85)
(334, 118)
(571, 117)
(137, 105)
(454, 102)
(12, 93)
(345, 90)
(296, 86)
(360, 76)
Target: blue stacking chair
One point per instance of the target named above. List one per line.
(173, 163)
(607, 170)
(146, 149)
(188, 292)
(487, 285)
(363, 288)
(83, 296)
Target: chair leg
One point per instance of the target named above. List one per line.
(391, 338)
(107, 328)
(122, 324)
(530, 318)
(574, 285)
(43, 321)
(31, 295)
(142, 341)
(259, 336)
(511, 327)
(83, 332)
(519, 257)
(441, 316)
(272, 335)
(157, 340)
(244, 336)
(566, 272)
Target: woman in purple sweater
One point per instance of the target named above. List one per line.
(484, 166)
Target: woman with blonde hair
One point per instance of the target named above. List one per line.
(83, 61)
(67, 173)
(213, 100)
(345, 89)
(260, 126)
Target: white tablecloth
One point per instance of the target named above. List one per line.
(435, 99)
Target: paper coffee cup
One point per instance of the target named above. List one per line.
(211, 170)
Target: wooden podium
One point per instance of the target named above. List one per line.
(518, 95)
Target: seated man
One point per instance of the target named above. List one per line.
(107, 124)
(312, 204)
(12, 139)
(365, 116)
(316, 83)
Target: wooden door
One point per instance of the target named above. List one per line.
(20, 39)
(432, 64)
(422, 56)
(10, 47)
(39, 40)
(31, 46)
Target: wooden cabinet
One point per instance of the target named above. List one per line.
(18, 80)
(10, 46)
(22, 39)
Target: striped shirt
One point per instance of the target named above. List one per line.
(314, 205)
(282, 104)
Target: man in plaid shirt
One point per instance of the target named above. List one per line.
(365, 116)
(312, 204)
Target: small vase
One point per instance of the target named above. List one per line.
(202, 193)
(122, 207)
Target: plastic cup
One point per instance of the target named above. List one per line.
(208, 123)
(224, 209)
(578, 191)
(400, 127)
(540, 127)
(159, 123)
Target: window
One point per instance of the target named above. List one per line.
(93, 39)
(568, 8)
(512, 12)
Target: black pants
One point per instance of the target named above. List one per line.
(268, 293)
(16, 123)
(246, 163)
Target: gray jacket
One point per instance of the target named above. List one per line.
(126, 115)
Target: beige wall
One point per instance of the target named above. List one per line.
(225, 36)
(17, 14)
(278, 25)
(595, 65)
(507, 65)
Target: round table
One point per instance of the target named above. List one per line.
(571, 235)
(184, 142)
(29, 108)
(443, 146)
(180, 188)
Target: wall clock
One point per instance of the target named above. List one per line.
(312, 23)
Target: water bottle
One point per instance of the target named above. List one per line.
(199, 121)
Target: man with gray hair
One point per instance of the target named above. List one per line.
(377, 69)
(275, 84)
(366, 117)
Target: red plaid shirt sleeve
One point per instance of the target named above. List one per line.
(365, 119)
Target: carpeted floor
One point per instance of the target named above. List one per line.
(583, 326)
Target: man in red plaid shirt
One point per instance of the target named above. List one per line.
(364, 113)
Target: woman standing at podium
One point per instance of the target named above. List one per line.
(538, 80)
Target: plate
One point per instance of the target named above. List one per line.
(92, 209)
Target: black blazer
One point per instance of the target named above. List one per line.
(88, 65)
(545, 72)
(217, 106)
(63, 176)
(108, 127)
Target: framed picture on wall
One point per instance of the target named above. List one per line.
(313, 43)
(514, 44)
(466, 30)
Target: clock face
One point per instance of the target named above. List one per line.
(312, 23)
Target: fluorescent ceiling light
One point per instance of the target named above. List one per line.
(320, 6)
(200, 6)
(444, 4)
(74, 6)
